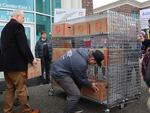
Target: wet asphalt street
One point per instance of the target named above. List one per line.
(39, 98)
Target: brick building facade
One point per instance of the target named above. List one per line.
(127, 9)
(126, 6)
(88, 5)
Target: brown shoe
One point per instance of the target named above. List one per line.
(35, 111)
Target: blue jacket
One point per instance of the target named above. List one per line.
(74, 64)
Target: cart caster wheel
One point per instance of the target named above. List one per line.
(107, 111)
(122, 105)
(50, 92)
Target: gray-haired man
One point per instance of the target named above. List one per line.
(16, 55)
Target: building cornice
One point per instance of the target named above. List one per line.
(121, 3)
(145, 4)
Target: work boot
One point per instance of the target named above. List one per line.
(81, 111)
(78, 110)
(17, 103)
(33, 111)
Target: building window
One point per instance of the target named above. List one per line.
(43, 6)
(27, 31)
(52, 19)
(42, 24)
(55, 4)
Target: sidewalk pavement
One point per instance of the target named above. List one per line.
(39, 98)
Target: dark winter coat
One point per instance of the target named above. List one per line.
(39, 49)
(146, 62)
(0, 58)
(16, 53)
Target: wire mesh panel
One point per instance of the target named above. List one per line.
(120, 70)
(123, 71)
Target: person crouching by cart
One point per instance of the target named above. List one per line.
(69, 71)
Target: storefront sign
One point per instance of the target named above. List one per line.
(67, 14)
(17, 4)
(144, 17)
(5, 16)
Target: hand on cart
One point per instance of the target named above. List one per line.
(94, 87)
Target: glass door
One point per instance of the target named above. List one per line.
(30, 33)
(1, 73)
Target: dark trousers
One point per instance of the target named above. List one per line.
(45, 68)
(72, 91)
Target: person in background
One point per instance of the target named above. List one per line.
(146, 60)
(147, 31)
(69, 71)
(43, 50)
(16, 55)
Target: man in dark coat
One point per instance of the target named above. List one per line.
(43, 50)
(16, 55)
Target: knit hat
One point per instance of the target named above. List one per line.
(98, 56)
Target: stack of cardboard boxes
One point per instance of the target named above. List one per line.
(80, 29)
(77, 29)
(62, 30)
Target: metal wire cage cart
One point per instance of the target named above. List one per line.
(118, 79)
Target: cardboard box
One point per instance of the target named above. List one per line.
(105, 51)
(34, 70)
(100, 95)
(61, 30)
(67, 44)
(81, 29)
(58, 52)
(98, 26)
